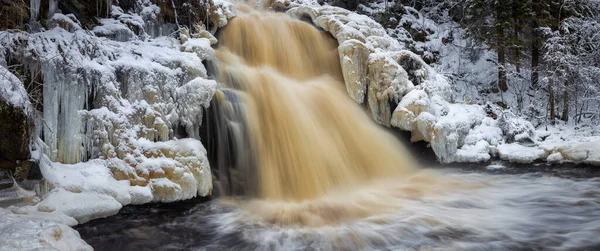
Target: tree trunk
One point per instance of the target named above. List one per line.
(516, 28)
(500, 47)
(551, 101)
(565, 112)
(535, 49)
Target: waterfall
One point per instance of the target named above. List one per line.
(308, 137)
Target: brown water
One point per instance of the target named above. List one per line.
(309, 137)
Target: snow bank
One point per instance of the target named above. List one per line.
(83, 206)
(588, 152)
(145, 172)
(27, 232)
(517, 153)
(558, 144)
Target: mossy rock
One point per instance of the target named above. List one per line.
(13, 14)
(15, 133)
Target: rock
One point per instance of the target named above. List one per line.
(27, 231)
(516, 129)
(521, 154)
(174, 170)
(413, 104)
(15, 133)
(354, 56)
(588, 152)
(346, 4)
(6, 180)
(12, 193)
(388, 83)
(84, 206)
(13, 14)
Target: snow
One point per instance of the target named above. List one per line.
(26, 232)
(83, 206)
(114, 29)
(376, 69)
(221, 12)
(33, 212)
(192, 98)
(432, 110)
(12, 91)
(588, 152)
(68, 22)
(92, 176)
(130, 83)
(515, 152)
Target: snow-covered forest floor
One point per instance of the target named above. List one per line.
(523, 133)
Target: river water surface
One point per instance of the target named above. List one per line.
(512, 208)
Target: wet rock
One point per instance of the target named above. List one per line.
(346, 4)
(6, 180)
(15, 133)
(11, 193)
(13, 14)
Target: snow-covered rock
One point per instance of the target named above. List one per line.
(111, 107)
(220, 12)
(83, 206)
(173, 170)
(516, 129)
(588, 152)
(192, 98)
(371, 61)
(12, 91)
(412, 104)
(515, 152)
(27, 232)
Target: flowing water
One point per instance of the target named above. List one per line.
(306, 136)
(515, 208)
(305, 168)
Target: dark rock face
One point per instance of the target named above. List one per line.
(15, 133)
(13, 14)
(346, 4)
(86, 11)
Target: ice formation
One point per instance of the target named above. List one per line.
(380, 71)
(370, 59)
(114, 98)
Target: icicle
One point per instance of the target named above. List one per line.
(50, 120)
(52, 8)
(34, 9)
(64, 97)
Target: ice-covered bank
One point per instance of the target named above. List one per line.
(111, 114)
(401, 90)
